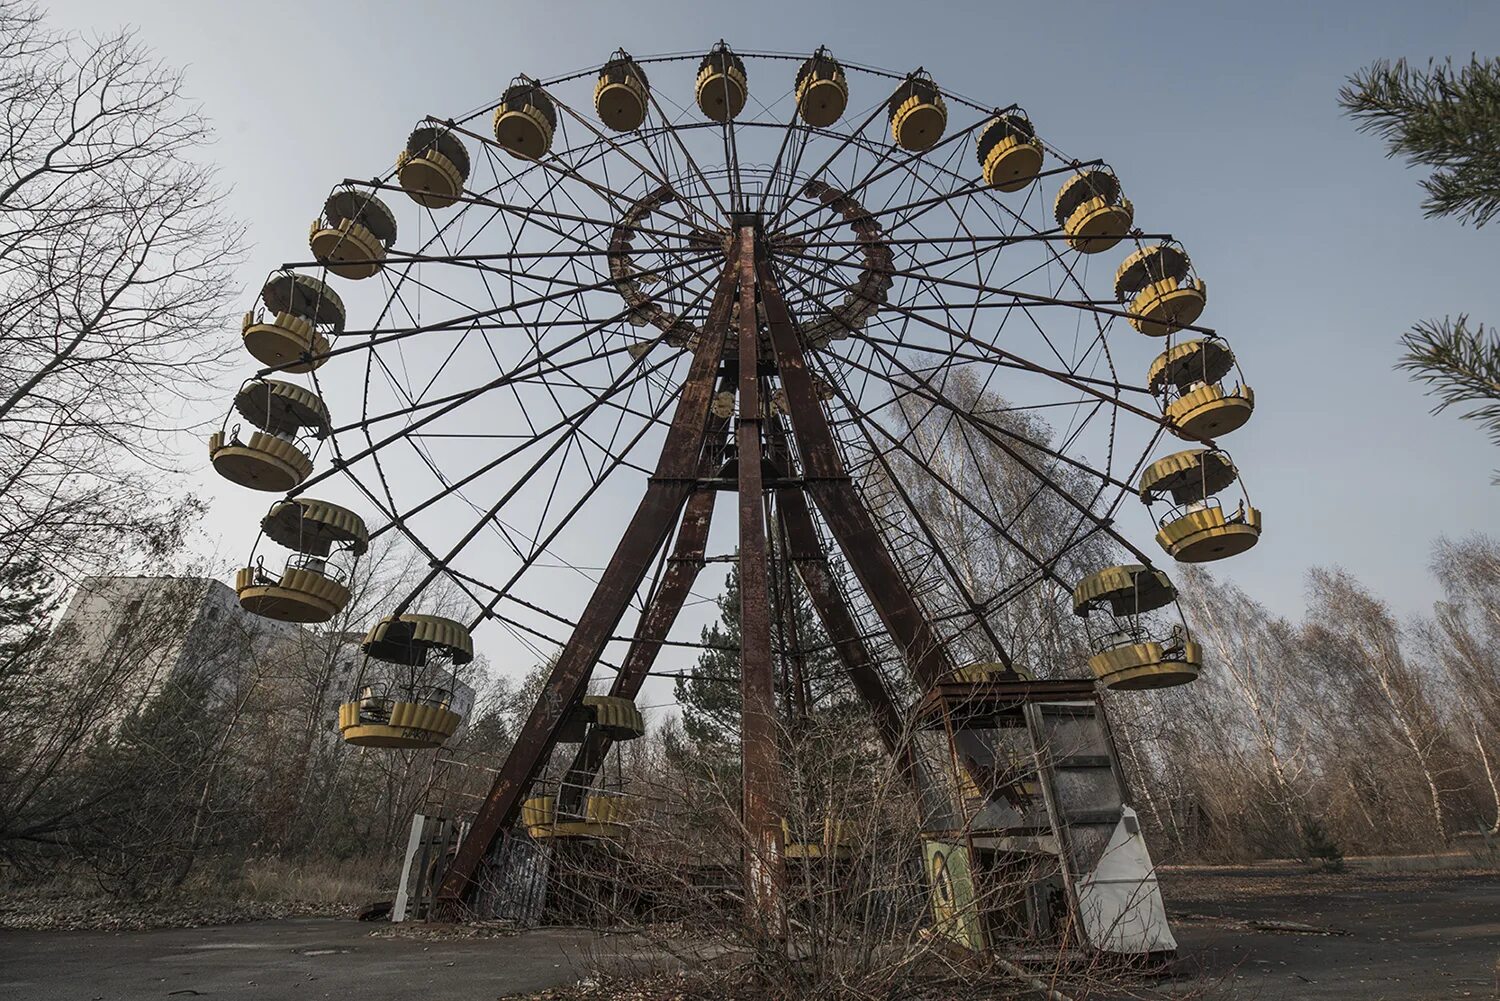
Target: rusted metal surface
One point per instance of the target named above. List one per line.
(659, 509)
(840, 504)
(806, 553)
(794, 680)
(988, 695)
(682, 569)
(760, 763)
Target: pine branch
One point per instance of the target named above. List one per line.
(1445, 118)
(1461, 366)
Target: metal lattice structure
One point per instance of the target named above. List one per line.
(859, 304)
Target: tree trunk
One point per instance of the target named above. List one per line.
(1489, 774)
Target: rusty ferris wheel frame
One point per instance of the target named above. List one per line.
(817, 278)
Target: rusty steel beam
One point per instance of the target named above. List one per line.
(666, 494)
(760, 766)
(796, 680)
(805, 551)
(840, 626)
(683, 567)
(840, 504)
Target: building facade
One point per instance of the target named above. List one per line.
(131, 636)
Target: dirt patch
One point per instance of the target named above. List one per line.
(423, 932)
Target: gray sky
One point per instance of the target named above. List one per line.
(1221, 119)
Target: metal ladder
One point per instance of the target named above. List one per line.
(1107, 871)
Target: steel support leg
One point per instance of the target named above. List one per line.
(682, 569)
(760, 764)
(666, 493)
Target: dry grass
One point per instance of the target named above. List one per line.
(351, 882)
(49, 908)
(691, 987)
(260, 889)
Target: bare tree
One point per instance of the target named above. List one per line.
(1465, 635)
(1255, 669)
(115, 264)
(998, 510)
(1356, 645)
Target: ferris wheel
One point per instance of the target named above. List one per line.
(912, 337)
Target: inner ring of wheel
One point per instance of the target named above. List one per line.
(861, 302)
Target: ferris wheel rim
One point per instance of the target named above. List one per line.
(573, 157)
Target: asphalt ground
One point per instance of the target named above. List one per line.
(1262, 932)
(289, 959)
(1278, 932)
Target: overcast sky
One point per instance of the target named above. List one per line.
(1223, 118)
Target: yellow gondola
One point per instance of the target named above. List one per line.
(1126, 590)
(276, 457)
(1188, 379)
(525, 120)
(1197, 530)
(304, 314)
(1132, 653)
(822, 91)
(433, 167)
(1093, 212)
(1009, 152)
(412, 703)
(1163, 292)
(832, 842)
(721, 88)
(353, 234)
(622, 94)
(313, 586)
(1151, 663)
(615, 716)
(604, 816)
(917, 113)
